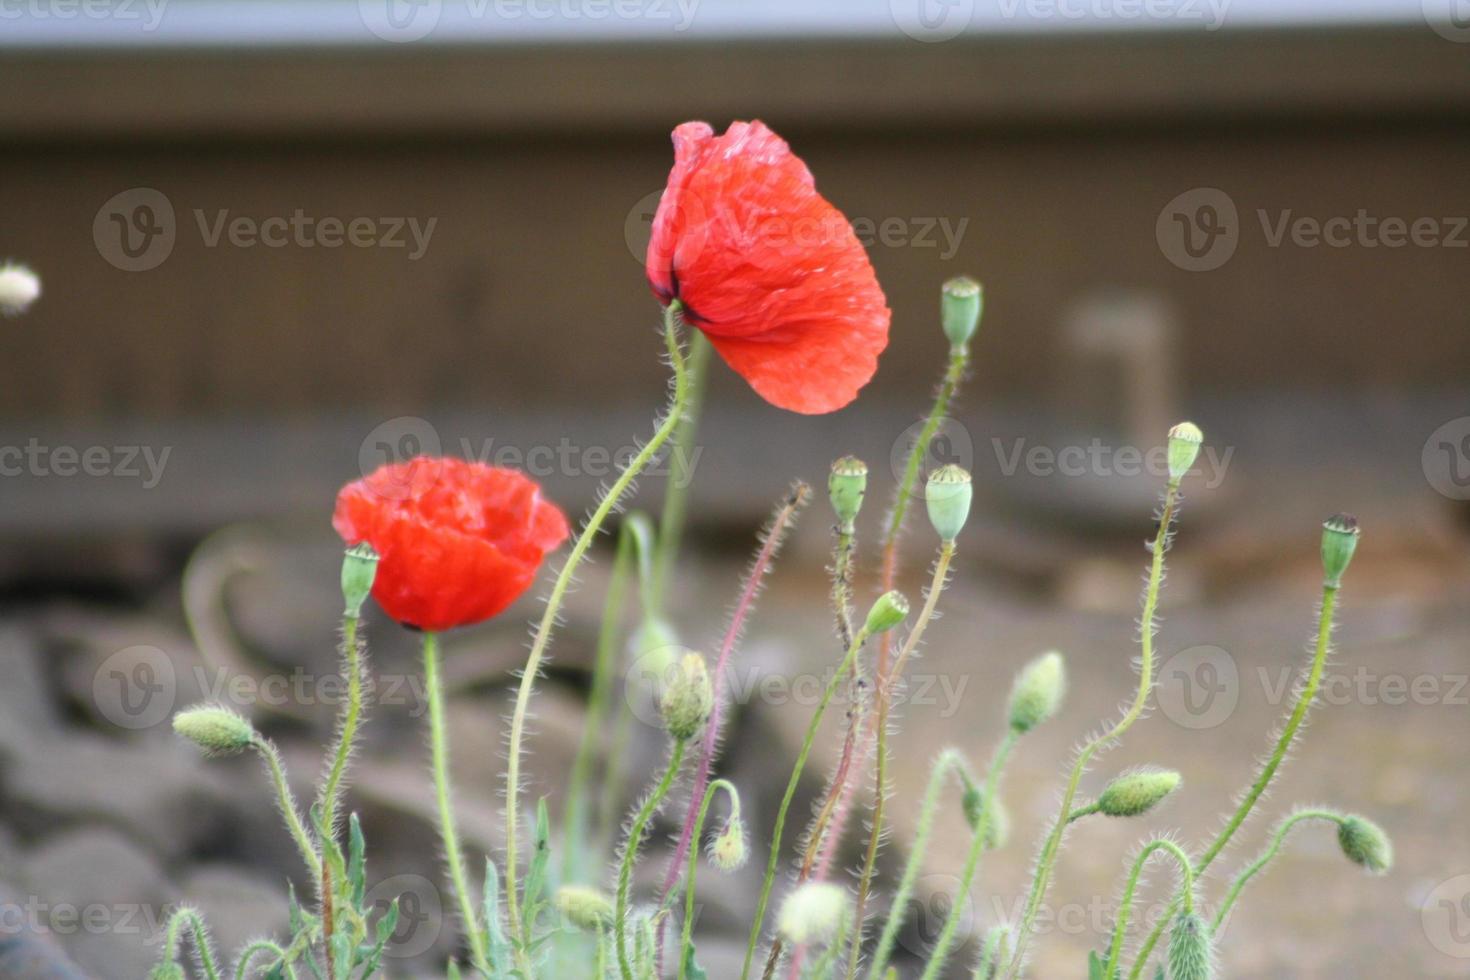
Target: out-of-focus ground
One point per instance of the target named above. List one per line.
(106, 821)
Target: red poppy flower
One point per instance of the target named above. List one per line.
(457, 541)
(769, 270)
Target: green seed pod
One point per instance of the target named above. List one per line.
(1365, 844)
(359, 568)
(1339, 541)
(728, 850)
(890, 610)
(1191, 949)
(846, 485)
(216, 730)
(1136, 793)
(1184, 443)
(947, 495)
(813, 913)
(689, 699)
(960, 306)
(585, 908)
(1037, 692)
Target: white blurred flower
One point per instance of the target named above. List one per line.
(19, 288)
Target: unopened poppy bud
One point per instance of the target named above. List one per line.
(728, 850)
(846, 485)
(947, 495)
(1135, 793)
(813, 913)
(1339, 541)
(890, 610)
(1365, 844)
(689, 698)
(585, 908)
(1191, 949)
(1037, 692)
(1184, 442)
(19, 288)
(960, 307)
(216, 730)
(998, 828)
(359, 568)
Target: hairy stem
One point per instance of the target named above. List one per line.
(1267, 856)
(630, 853)
(1053, 843)
(688, 926)
(1125, 906)
(553, 606)
(1305, 697)
(676, 495)
(187, 921)
(286, 803)
(347, 726)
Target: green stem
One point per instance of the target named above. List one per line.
(940, 952)
(1053, 843)
(1125, 909)
(188, 917)
(688, 926)
(250, 952)
(676, 495)
(992, 955)
(286, 803)
(1283, 743)
(448, 834)
(1267, 856)
(949, 761)
(630, 853)
(347, 729)
(875, 835)
(959, 359)
(553, 607)
(806, 746)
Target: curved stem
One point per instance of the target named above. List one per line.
(1299, 710)
(448, 833)
(188, 917)
(885, 683)
(806, 746)
(286, 803)
(676, 494)
(630, 853)
(948, 761)
(250, 952)
(688, 926)
(1125, 907)
(1267, 856)
(347, 728)
(940, 952)
(1053, 843)
(553, 606)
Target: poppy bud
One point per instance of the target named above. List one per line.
(19, 288)
(1339, 541)
(1184, 442)
(1365, 844)
(813, 913)
(960, 307)
(689, 698)
(728, 851)
(1191, 949)
(997, 830)
(216, 730)
(1037, 692)
(1135, 793)
(890, 610)
(359, 568)
(846, 485)
(947, 495)
(585, 908)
